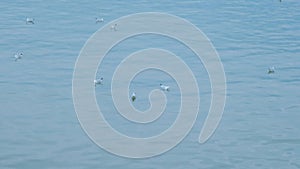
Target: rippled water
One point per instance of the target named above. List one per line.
(260, 127)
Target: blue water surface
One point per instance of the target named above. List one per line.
(260, 125)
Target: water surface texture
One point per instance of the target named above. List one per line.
(260, 125)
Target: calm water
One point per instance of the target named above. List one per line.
(260, 127)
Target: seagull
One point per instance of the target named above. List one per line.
(271, 70)
(133, 97)
(98, 81)
(114, 27)
(164, 87)
(29, 20)
(18, 56)
(99, 20)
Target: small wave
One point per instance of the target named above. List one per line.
(285, 109)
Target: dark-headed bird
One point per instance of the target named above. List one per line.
(133, 97)
(271, 70)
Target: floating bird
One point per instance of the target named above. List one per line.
(114, 27)
(29, 20)
(98, 81)
(99, 20)
(133, 97)
(164, 87)
(18, 56)
(271, 70)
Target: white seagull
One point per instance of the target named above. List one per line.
(271, 70)
(18, 56)
(98, 81)
(99, 20)
(133, 97)
(29, 20)
(164, 87)
(114, 27)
